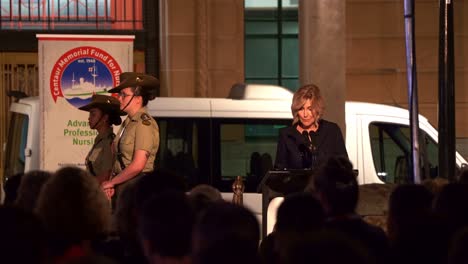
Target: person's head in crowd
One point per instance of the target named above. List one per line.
(202, 196)
(165, 228)
(22, 236)
(124, 214)
(135, 90)
(457, 252)
(299, 214)
(336, 187)
(225, 232)
(158, 181)
(410, 205)
(11, 188)
(30, 187)
(125, 222)
(267, 253)
(435, 185)
(325, 247)
(230, 251)
(451, 206)
(413, 232)
(130, 203)
(73, 209)
(307, 98)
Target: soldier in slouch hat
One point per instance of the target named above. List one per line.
(104, 112)
(137, 141)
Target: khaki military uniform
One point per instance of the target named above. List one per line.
(140, 132)
(99, 159)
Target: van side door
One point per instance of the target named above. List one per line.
(186, 145)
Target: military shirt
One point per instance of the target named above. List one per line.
(99, 159)
(140, 132)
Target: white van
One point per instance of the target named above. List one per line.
(233, 131)
(213, 140)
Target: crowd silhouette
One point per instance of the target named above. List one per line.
(65, 217)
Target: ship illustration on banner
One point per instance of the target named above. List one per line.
(84, 84)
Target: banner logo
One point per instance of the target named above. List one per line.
(82, 72)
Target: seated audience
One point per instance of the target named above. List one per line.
(336, 187)
(22, 237)
(457, 252)
(326, 247)
(30, 187)
(225, 233)
(202, 196)
(130, 205)
(75, 213)
(165, 228)
(451, 209)
(300, 214)
(412, 228)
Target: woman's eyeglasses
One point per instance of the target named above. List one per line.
(123, 95)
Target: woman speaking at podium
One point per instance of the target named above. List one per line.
(311, 140)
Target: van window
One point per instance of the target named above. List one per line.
(248, 149)
(16, 144)
(391, 152)
(215, 151)
(184, 148)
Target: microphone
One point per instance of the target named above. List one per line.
(306, 135)
(313, 145)
(309, 145)
(309, 150)
(305, 151)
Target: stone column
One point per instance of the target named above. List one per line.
(165, 51)
(322, 53)
(201, 58)
(225, 46)
(201, 47)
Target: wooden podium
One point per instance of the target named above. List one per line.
(278, 183)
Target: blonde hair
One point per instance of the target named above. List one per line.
(308, 92)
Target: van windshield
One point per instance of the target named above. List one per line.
(16, 144)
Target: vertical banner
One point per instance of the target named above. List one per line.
(71, 69)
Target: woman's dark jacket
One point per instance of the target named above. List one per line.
(294, 151)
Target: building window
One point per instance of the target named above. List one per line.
(71, 15)
(271, 42)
